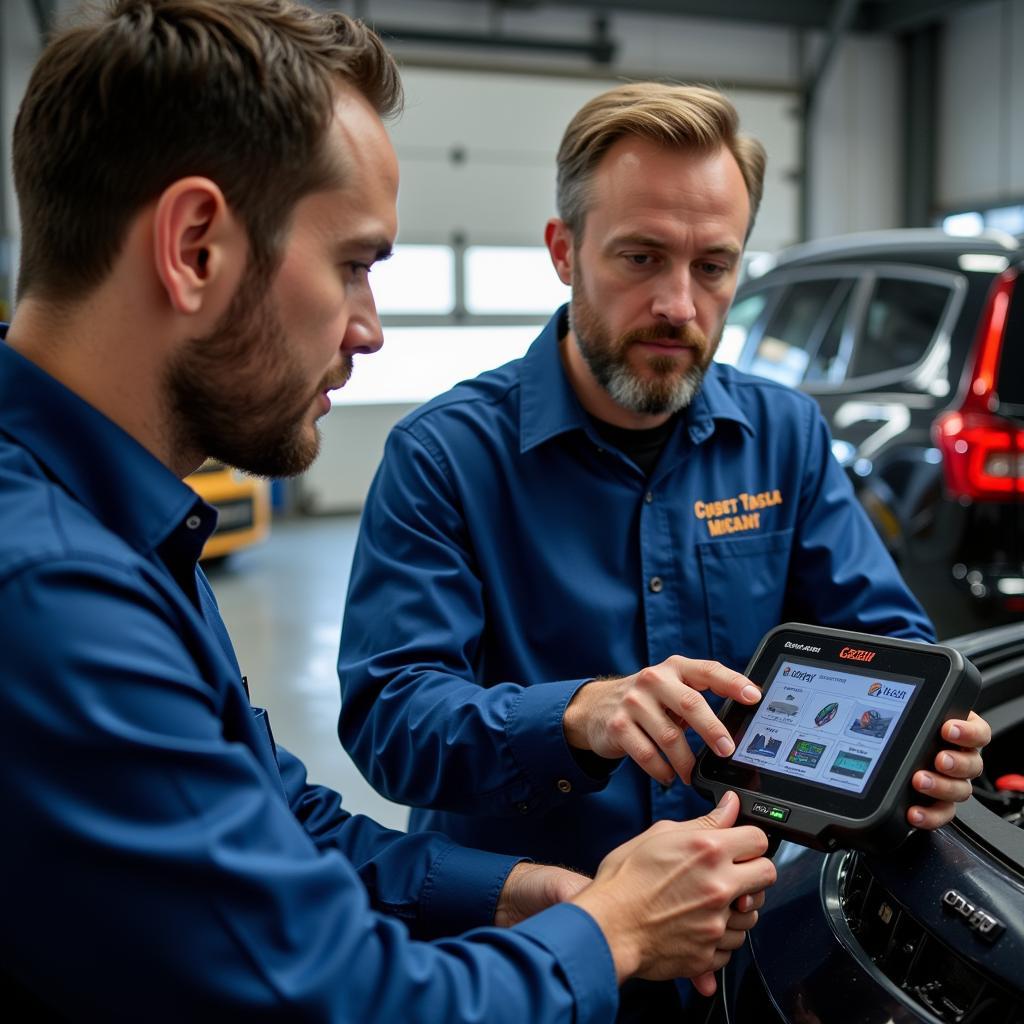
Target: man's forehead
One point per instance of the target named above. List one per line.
(639, 182)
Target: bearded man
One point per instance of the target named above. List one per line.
(613, 500)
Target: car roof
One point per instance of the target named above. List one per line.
(908, 245)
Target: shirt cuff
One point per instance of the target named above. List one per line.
(462, 889)
(572, 936)
(537, 741)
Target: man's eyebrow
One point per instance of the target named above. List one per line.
(653, 242)
(725, 249)
(648, 241)
(381, 247)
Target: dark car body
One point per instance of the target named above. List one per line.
(912, 343)
(932, 932)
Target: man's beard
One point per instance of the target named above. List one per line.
(239, 395)
(667, 388)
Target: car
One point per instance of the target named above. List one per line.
(912, 343)
(932, 932)
(243, 508)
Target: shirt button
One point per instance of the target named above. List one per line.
(193, 522)
(564, 786)
(648, 497)
(655, 584)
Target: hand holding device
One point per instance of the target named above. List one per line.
(846, 721)
(664, 900)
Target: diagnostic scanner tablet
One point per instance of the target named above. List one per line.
(845, 719)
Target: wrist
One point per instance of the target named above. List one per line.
(577, 715)
(623, 942)
(505, 913)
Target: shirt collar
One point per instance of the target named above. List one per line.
(549, 406)
(128, 489)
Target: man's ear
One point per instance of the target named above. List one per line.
(559, 239)
(199, 245)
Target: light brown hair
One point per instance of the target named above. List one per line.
(128, 99)
(677, 116)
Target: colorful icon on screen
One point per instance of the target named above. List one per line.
(826, 714)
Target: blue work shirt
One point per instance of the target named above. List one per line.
(163, 860)
(507, 555)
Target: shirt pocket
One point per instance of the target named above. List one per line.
(744, 582)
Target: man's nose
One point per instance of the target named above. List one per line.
(674, 299)
(363, 333)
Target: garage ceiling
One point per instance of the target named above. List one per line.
(889, 16)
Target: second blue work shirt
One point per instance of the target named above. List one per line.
(508, 555)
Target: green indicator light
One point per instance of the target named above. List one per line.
(777, 813)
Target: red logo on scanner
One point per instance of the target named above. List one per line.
(857, 654)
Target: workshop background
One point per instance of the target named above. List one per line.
(876, 114)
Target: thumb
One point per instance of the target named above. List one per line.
(722, 816)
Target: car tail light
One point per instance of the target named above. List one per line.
(982, 452)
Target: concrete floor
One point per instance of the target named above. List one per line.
(282, 602)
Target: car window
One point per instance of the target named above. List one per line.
(791, 335)
(828, 360)
(741, 318)
(1010, 378)
(900, 322)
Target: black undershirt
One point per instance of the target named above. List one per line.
(642, 446)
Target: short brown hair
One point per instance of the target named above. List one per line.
(683, 116)
(127, 100)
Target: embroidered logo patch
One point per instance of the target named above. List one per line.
(736, 515)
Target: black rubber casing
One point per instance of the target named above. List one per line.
(820, 817)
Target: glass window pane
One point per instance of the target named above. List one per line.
(417, 279)
(825, 365)
(899, 325)
(417, 363)
(512, 279)
(782, 353)
(737, 326)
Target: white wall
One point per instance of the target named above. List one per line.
(506, 128)
(981, 97)
(352, 443)
(856, 149)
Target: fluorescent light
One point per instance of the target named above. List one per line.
(983, 262)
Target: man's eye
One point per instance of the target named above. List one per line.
(358, 270)
(713, 269)
(639, 259)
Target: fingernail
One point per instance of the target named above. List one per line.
(751, 693)
(917, 817)
(926, 782)
(725, 746)
(954, 732)
(946, 761)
